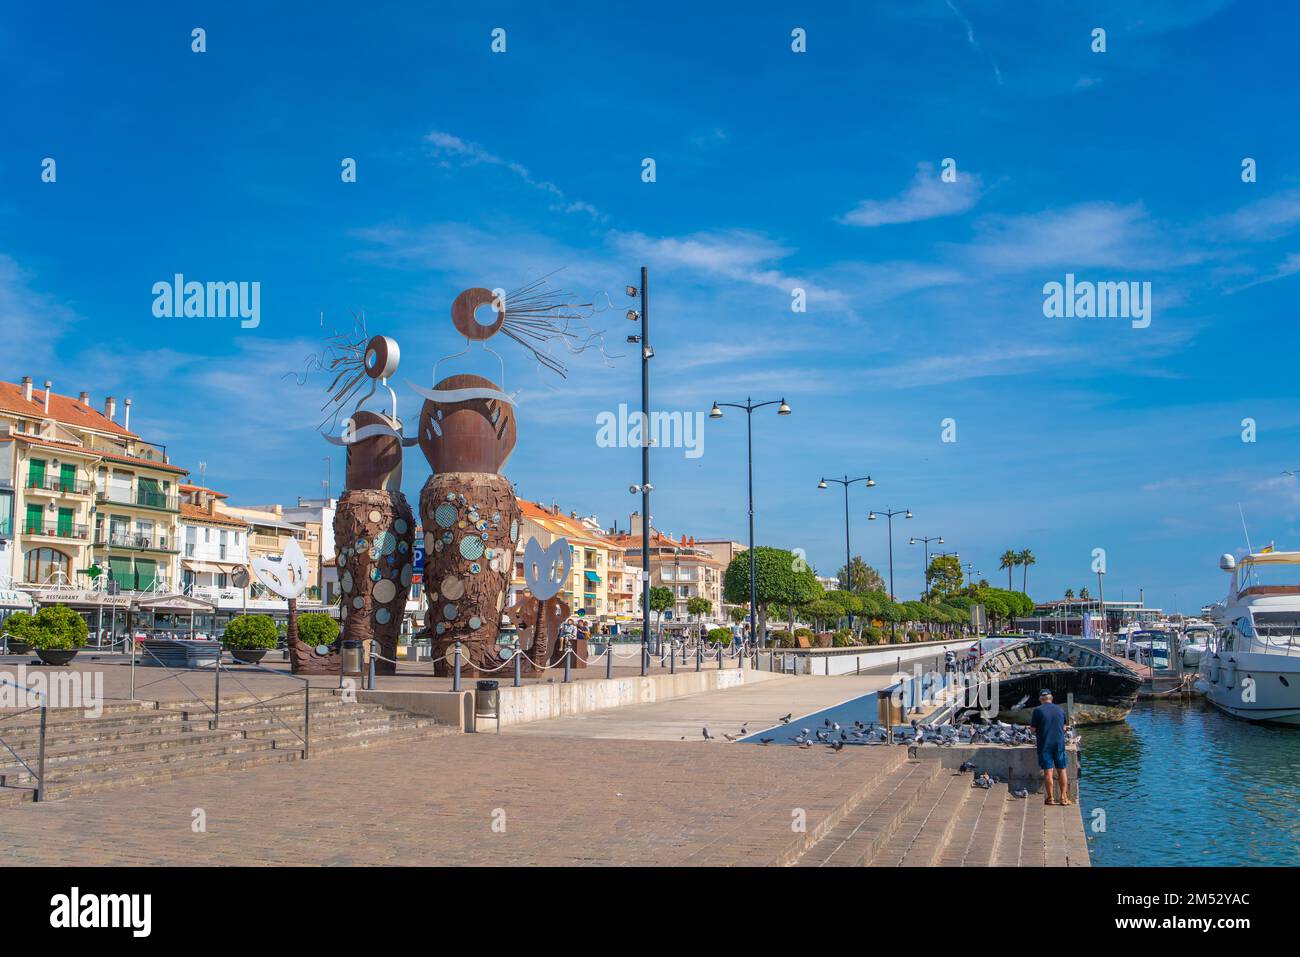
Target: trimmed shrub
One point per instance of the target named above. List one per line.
(722, 635)
(250, 631)
(317, 628)
(843, 638)
(783, 639)
(54, 628)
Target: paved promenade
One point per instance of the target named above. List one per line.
(592, 790)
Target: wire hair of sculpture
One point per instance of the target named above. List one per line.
(536, 315)
(351, 358)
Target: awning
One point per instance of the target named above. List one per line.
(592, 577)
(199, 567)
(12, 598)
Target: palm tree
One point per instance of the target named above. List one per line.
(1026, 559)
(1010, 560)
(1069, 593)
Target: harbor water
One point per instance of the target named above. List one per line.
(1182, 785)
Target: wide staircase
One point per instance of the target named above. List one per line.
(141, 743)
(920, 814)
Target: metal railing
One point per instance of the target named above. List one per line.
(139, 497)
(56, 483)
(39, 771)
(55, 529)
(137, 540)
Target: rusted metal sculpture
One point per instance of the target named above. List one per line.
(374, 529)
(538, 613)
(468, 509)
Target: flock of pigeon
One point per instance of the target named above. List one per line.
(918, 735)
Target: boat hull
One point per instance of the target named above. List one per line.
(1094, 687)
(1272, 695)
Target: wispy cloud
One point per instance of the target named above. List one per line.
(449, 148)
(970, 38)
(928, 197)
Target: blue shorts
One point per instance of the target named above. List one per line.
(1052, 759)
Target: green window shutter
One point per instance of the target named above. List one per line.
(67, 477)
(65, 522)
(35, 516)
(148, 493)
(146, 573)
(36, 473)
(119, 569)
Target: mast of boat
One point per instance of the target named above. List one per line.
(1101, 601)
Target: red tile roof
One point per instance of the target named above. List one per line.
(63, 408)
(199, 514)
(111, 456)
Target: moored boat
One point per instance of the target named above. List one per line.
(1094, 687)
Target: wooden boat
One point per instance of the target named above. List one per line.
(1094, 687)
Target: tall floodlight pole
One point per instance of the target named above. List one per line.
(871, 517)
(848, 556)
(749, 407)
(645, 488)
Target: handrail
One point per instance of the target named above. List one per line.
(40, 760)
(169, 674)
(305, 737)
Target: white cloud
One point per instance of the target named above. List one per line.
(928, 197)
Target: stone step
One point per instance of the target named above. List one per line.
(975, 828)
(925, 829)
(262, 752)
(145, 741)
(76, 767)
(856, 839)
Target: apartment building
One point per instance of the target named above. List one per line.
(214, 545)
(679, 564)
(80, 490)
(587, 589)
(269, 534)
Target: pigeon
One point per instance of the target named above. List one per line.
(983, 781)
(766, 740)
(966, 766)
(806, 744)
(729, 737)
(1020, 793)
(707, 735)
(786, 719)
(837, 745)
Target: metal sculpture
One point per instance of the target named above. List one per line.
(538, 613)
(374, 529)
(467, 431)
(286, 576)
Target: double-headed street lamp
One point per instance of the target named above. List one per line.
(848, 559)
(749, 407)
(927, 539)
(871, 517)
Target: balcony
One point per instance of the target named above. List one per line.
(57, 485)
(135, 541)
(64, 530)
(140, 498)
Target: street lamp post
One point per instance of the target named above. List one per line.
(927, 539)
(645, 488)
(749, 407)
(871, 517)
(848, 555)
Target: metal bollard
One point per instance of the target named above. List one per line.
(672, 661)
(719, 657)
(568, 664)
(609, 658)
(370, 671)
(40, 761)
(683, 652)
(455, 678)
(519, 666)
(699, 656)
(216, 706)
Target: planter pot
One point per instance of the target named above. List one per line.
(19, 647)
(249, 656)
(56, 656)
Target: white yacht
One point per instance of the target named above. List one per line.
(1196, 639)
(1251, 668)
(1149, 647)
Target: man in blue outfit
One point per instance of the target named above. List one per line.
(1048, 722)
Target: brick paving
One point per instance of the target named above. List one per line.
(433, 802)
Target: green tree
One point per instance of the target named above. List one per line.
(661, 600)
(737, 614)
(865, 578)
(944, 576)
(1009, 561)
(1069, 593)
(53, 628)
(1083, 593)
(779, 578)
(698, 606)
(1026, 558)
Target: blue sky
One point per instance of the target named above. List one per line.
(775, 170)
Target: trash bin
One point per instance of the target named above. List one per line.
(352, 655)
(487, 701)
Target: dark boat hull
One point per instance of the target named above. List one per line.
(1093, 687)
